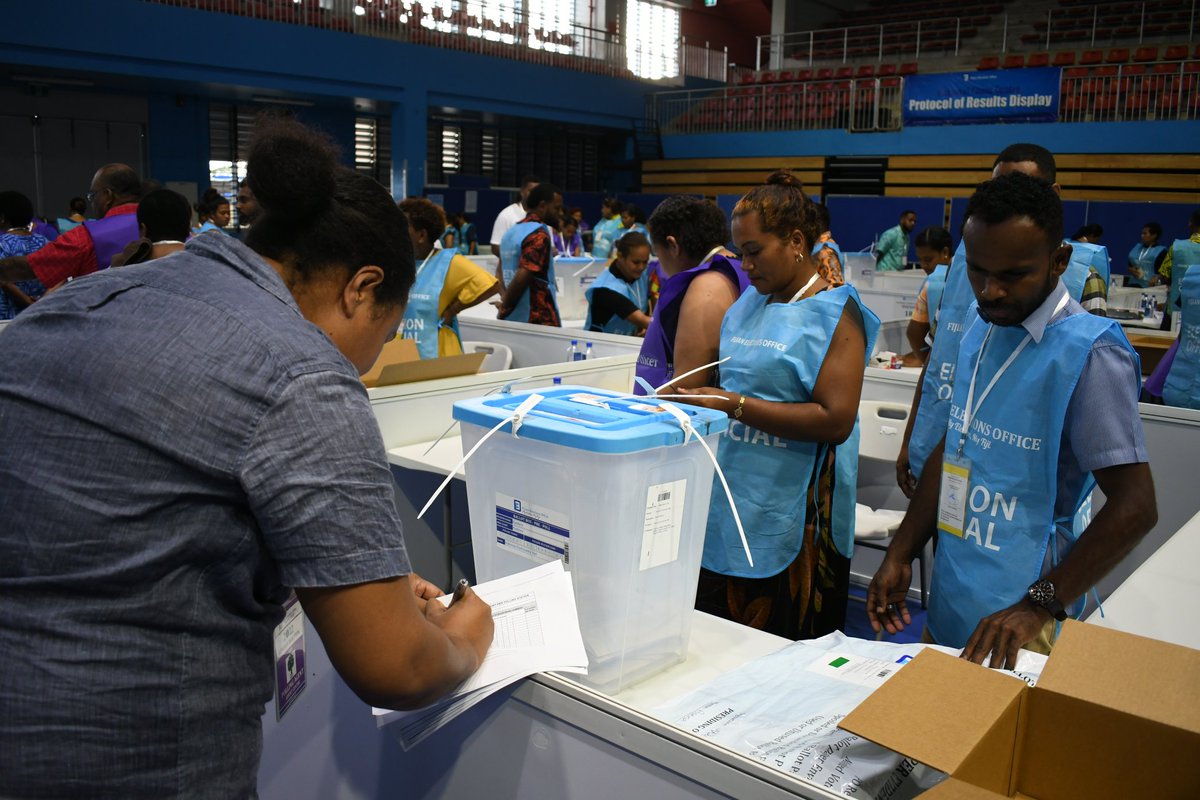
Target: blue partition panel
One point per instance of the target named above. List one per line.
(858, 221)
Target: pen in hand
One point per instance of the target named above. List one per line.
(460, 591)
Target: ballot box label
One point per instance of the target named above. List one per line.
(534, 532)
(663, 523)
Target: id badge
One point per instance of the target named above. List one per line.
(952, 499)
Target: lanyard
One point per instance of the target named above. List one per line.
(710, 255)
(973, 405)
(804, 288)
(436, 246)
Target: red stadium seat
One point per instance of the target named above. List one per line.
(1176, 52)
(1065, 58)
(1118, 55)
(1091, 57)
(909, 68)
(844, 72)
(868, 70)
(989, 62)
(887, 69)
(1038, 60)
(1144, 54)
(1013, 61)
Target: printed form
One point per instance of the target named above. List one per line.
(536, 630)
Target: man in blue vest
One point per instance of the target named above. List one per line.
(91, 246)
(527, 261)
(1043, 408)
(1181, 256)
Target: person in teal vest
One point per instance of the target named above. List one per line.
(1146, 256)
(1182, 386)
(1181, 256)
(527, 260)
(447, 283)
(449, 237)
(633, 220)
(933, 254)
(77, 216)
(1043, 410)
(617, 299)
(892, 249)
(797, 348)
(468, 239)
(604, 235)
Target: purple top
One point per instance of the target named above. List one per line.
(1154, 384)
(111, 235)
(656, 361)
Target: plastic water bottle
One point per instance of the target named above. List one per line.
(577, 350)
(573, 351)
(587, 353)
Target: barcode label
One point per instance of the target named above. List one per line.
(662, 523)
(859, 670)
(664, 496)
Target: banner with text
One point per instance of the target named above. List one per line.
(984, 96)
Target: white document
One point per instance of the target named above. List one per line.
(783, 710)
(537, 630)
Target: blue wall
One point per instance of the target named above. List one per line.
(1059, 137)
(147, 48)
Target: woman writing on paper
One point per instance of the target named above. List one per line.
(447, 284)
(797, 349)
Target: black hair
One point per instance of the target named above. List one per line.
(614, 205)
(697, 224)
(121, 180)
(782, 207)
(1017, 195)
(528, 179)
(1094, 231)
(906, 212)
(635, 212)
(166, 215)
(78, 205)
(542, 193)
(631, 240)
(823, 219)
(935, 238)
(1026, 151)
(210, 202)
(424, 215)
(1194, 219)
(1154, 228)
(16, 209)
(318, 215)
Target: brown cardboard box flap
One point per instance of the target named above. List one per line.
(1143, 677)
(399, 362)
(948, 713)
(955, 789)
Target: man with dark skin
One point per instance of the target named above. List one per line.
(247, 206)
(530, 271)
(1014, 260)
(114, 191)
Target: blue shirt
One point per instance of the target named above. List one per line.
(181, 446)
(1102, 426)
(12, 244)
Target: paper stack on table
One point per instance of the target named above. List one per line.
(537, 630)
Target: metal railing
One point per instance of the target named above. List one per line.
(905, 40)
(1131, 93)
(1109, 22)
(871, 104)
(703, 62)
(496, 28)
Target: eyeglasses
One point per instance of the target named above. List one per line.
(92, 195)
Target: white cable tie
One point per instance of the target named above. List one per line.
(678, 378)
(521, 410)
(585, 266)
(518, 416)
(680, 415)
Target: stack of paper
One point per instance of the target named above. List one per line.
(537, 629)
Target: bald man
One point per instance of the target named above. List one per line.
(91, 246)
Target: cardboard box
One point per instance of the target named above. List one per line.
(399, 362)
(1113, 716)
(1150, 349)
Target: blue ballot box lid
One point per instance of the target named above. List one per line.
(595, 420)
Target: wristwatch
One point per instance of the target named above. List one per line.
(1041, 593)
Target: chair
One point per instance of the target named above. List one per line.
(499, 356)
(1118, 55)
(881, 431)
(1064, 58)
(1090, 57)
(868, 70)
(989, 62)
(1013, 61)
(1145, 54)
(909, 68)
(1176, 52)
(1038, 60)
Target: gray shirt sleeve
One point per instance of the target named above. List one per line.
(1103, 425)
(317, 479)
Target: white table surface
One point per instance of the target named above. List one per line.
(439, 460)
(1156, 600)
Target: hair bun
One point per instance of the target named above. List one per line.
(291, 169)
(782, 177)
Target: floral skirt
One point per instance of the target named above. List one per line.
(805, 600)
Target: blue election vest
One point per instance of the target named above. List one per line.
(636, 292)
(951, 318)
(421, 317)
(1144, 258)
(1184, 254)
(1010, 534)
(1182, 387)
(464, 244)
(603, 237)
(935, 285)
(1083, 256)
(510, 257)
(776, 352)
(637, 228)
